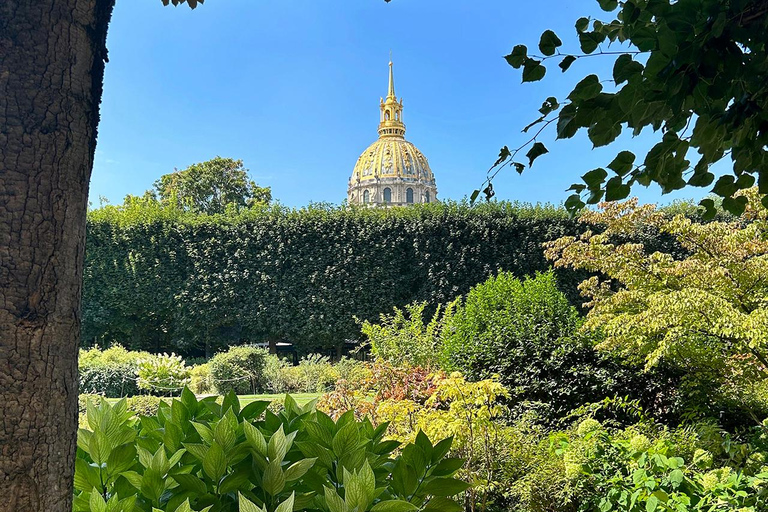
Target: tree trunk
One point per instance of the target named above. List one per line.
(52, 55)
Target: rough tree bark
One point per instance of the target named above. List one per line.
(52, 55)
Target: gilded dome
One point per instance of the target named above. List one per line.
(391, 171)
(392, 158)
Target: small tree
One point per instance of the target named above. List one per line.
(705, 310)
(211, 187)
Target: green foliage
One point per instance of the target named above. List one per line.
(625, 471)
(162, 279)
(200, 379)
(143, 405)
(314, 373)
(276, 377)
(112, 372)
(704, 313)
(239, 369)
(163, 374)
(205, 456)
(403, 339)
(526, 332)
(692, 71)
(212, 187)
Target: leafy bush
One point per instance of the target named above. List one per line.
(163, 374)
(632, 471)
(316, 373)
(402, 339)
(143, 405)
(200, 379)
(525, 331)
(112, 372)
(240, 369)
(199, 455)
(275, 378)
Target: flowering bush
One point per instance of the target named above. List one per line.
(163, 374)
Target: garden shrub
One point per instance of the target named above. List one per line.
(200, 379)
(163, 374)
(403, 339)
(239, 369)
(275, 378)
(112, 372)
(640, 469)
(202, 456)
(354, 372)
(526, 332)
(317, 373)
(143, 405)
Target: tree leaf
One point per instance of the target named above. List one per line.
(622, 164)
(518, 56)
(595, 178)
(586, 89)
(615, 190)
(549, 43)
(566, 62)
(625, 68)
(589, 41)
(533, 70)
(536, 151)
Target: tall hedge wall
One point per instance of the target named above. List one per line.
(161, 280)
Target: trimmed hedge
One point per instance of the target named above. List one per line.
(161, 280)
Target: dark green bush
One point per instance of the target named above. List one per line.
(205, 456)
(527, 332)
(239, 369)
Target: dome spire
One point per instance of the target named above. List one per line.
(391, 91)
(391, 122)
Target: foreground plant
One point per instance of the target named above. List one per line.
(203, 456)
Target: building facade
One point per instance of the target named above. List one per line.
(392, 171)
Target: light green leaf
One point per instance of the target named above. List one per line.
(395, 506)
(215, 463)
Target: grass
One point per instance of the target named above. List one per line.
(301, 398)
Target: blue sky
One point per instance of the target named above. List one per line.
(292, 88)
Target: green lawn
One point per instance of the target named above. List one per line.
(301, 398)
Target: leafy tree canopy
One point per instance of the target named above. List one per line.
(211, 187)
(693, 71)
(706, 308)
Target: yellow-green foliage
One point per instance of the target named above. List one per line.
(661, 307)
(707, 312)
(116, 354)
(163, 374)
(471, 413)
(201, 382)
(404, 339)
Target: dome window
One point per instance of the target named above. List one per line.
(426, 196)
(387, 195)
(409, 196)
(366, 197)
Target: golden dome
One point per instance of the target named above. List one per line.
(391, 171)
(392, 157)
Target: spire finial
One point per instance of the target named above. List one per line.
(391, 91)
